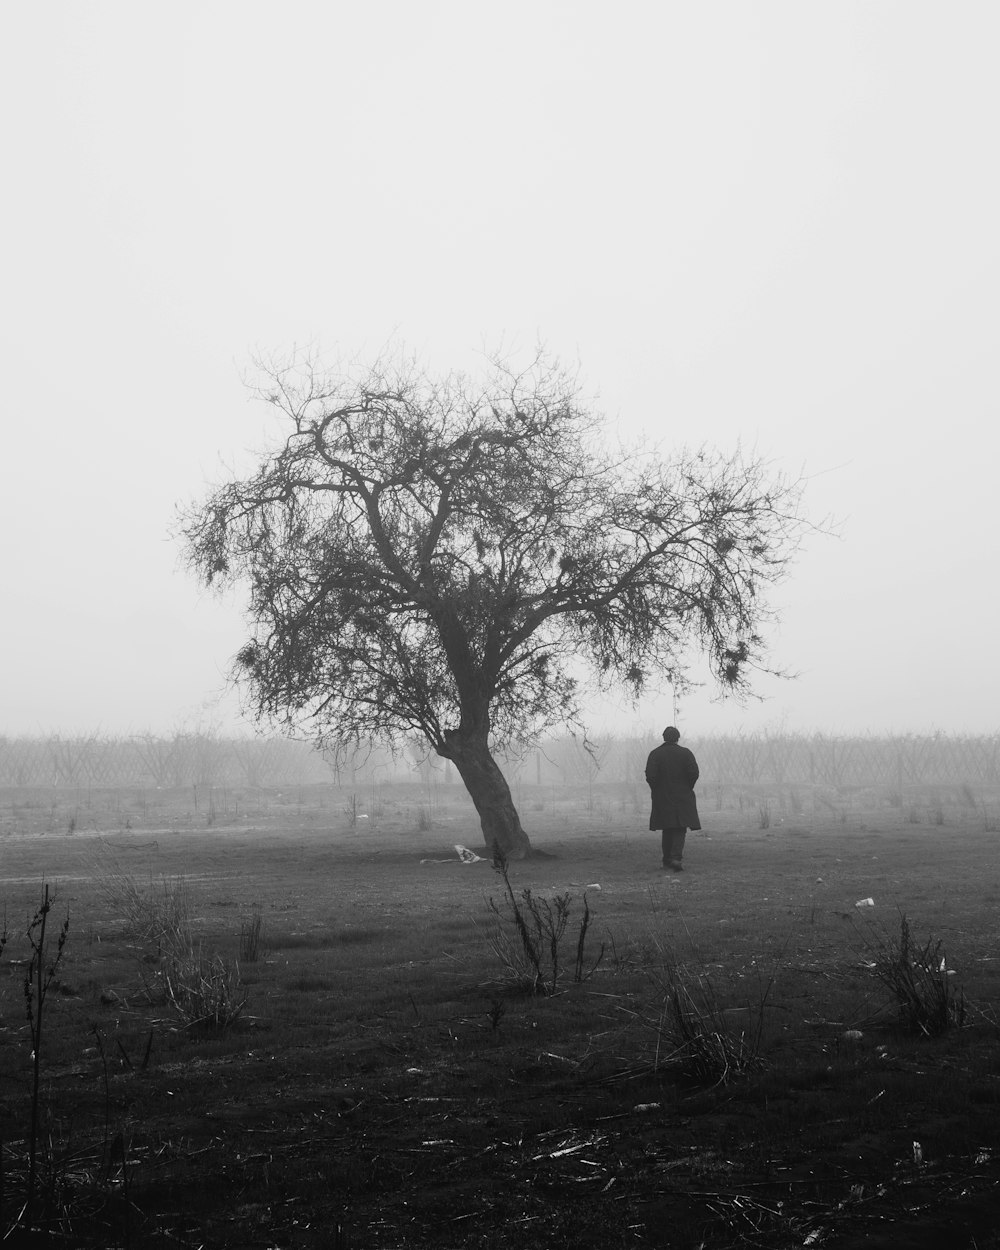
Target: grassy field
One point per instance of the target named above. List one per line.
(731, 1071)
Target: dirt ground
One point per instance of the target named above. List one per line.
(387, 1087)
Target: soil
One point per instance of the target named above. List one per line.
(388, 1087)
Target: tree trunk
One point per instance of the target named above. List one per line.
(489, 791)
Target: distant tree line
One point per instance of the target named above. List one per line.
(185, 759)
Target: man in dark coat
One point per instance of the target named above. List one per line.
(671, 771)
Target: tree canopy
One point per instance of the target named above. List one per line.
(439, 556)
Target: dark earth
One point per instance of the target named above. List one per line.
(388, 1085)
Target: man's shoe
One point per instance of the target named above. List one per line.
(676, 865)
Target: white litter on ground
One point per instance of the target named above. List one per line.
(464, 854)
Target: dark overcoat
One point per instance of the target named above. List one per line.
(671, 771)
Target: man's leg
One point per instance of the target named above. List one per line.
(673, 848)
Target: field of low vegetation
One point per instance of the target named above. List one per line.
(292, 1014)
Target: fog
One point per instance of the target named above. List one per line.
(768, 224)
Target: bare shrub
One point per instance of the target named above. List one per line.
(528, 932)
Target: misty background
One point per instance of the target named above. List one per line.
(769, 224)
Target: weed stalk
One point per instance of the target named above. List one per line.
(37, 980)
(540, 924)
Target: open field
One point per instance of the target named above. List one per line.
(389, 1082)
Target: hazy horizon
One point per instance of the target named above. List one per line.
(769, 225)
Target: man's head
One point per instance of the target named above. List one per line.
(670, 734)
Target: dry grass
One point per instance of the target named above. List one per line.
(253, 939)
(704, 1041)
(150, 915)
(927, 1000)
(204, 989)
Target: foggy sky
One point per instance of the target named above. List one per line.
(768, 223)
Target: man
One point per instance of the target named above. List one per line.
(671, 771)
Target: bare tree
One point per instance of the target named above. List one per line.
(435, 557)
